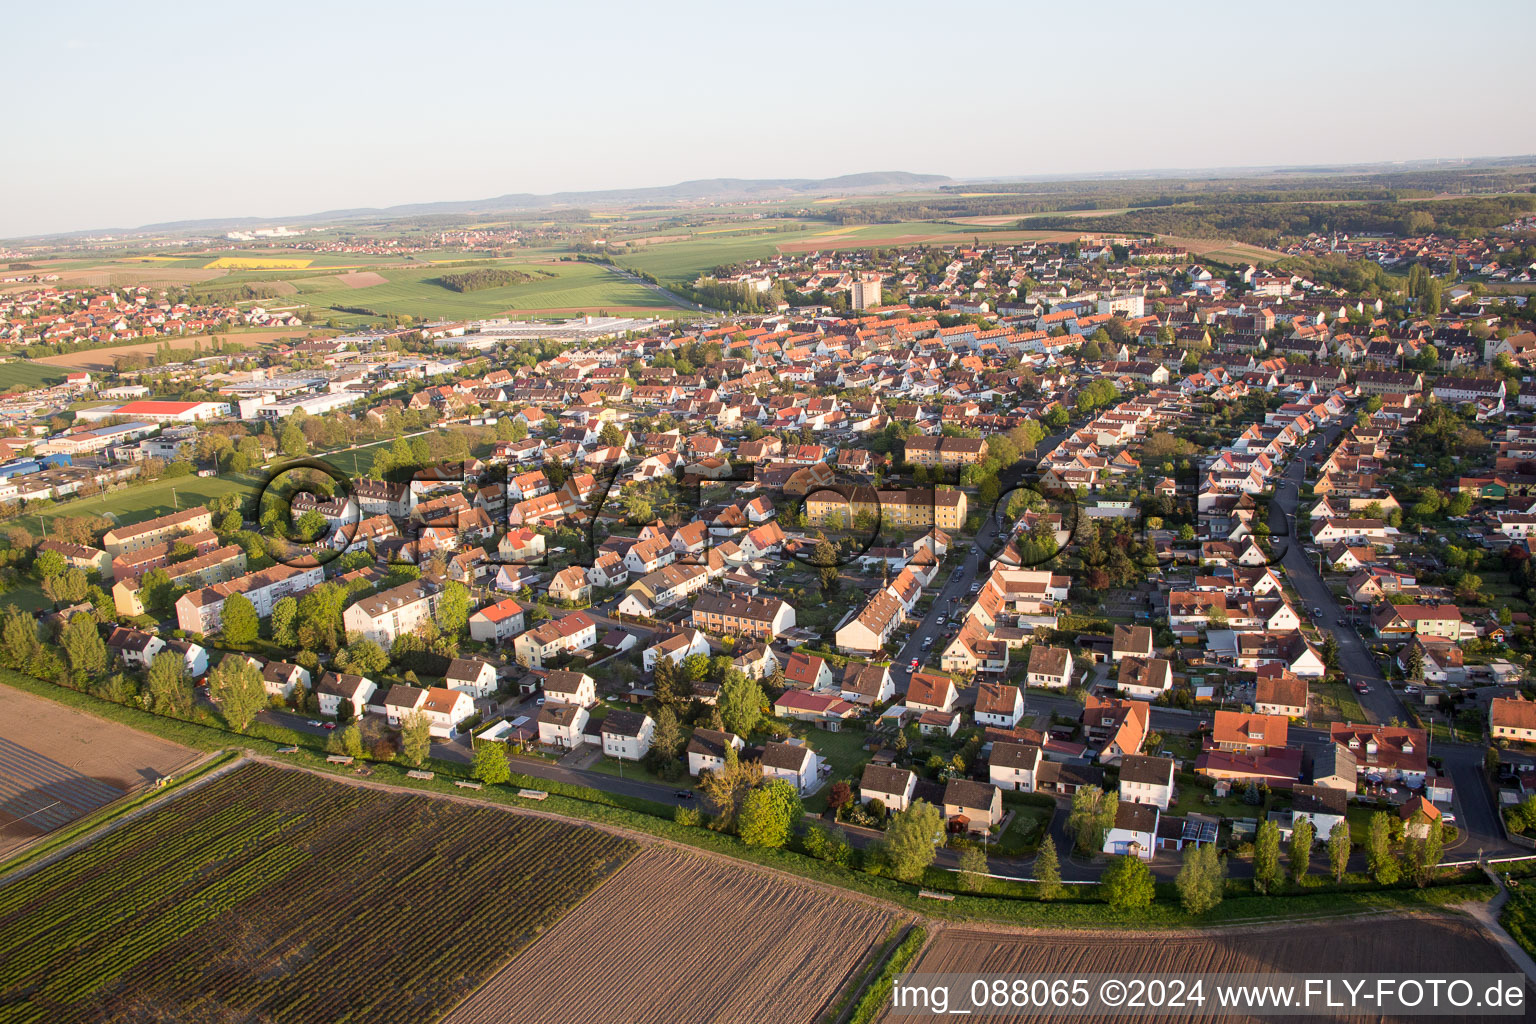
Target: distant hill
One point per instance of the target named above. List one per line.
(704, 189)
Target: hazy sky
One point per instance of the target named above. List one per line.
(119, 115)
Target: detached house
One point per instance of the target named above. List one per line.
(1135, 831)
(707, 747)
(1512, 718)
(972, 806)
(1131, 642)
(892, 786)
(1050, 667)
(497, 623)
(627, 734)
(445, 709)
(471, 675)
(563, 726)
(1146, 780)
(999, 704)
(1145, 678)
(336, 688)
(1114, 727)
(793, 762)
(869, 685)
(1015, 766)
(570, 688)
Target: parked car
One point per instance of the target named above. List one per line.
(330, 725)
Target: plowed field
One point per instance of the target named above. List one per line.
(675, 937)
(1439, 945)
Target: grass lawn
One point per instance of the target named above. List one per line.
(1339, 702)
(844, 751)
(1194, 798)
(28, 596)
(1022, 836)
(636, 770)
(145, 501)
(28, 374)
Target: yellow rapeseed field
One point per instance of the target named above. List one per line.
(255, 263)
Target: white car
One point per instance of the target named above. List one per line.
(314, 723)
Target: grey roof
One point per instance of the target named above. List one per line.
(465, 668)
(1319, 800)
(788, 756)
(709, 742)
(966, 793)
(1157, 771)
(1136, 817)
(1331, 760)
(623, 723)
(879, 778)
(1015, 755)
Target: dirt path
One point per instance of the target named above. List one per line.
(1487, 915)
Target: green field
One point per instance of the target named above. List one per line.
(28, 374)
(145, 501)
(414, 292)
(273, 894)
(684, 261)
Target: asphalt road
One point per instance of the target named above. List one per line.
(951, 599)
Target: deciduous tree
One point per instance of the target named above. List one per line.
(911, 841)
(1379, 860)
(973, 865)
(1048, 870)
(768, 814)
(1266, 858)
(1303, 835)
(491, 763)
(237, 685)
(170, 691)
(1127, 884)
(239, 621)
(741, 702)
(1201, 878)
(1338, 851)
(416, 738)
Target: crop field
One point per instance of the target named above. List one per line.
(414, 291)
(28, 374)
(685, 260)
(1402, 945)
(274, 894)
(57, 764)
(679, 937)
(256, 263)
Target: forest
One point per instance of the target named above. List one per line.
(483, 278)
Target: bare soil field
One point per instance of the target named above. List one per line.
(1223, 246)
(674, 936)
(1444, 944)
(57, 764)
(101, 358)
(361, 279)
